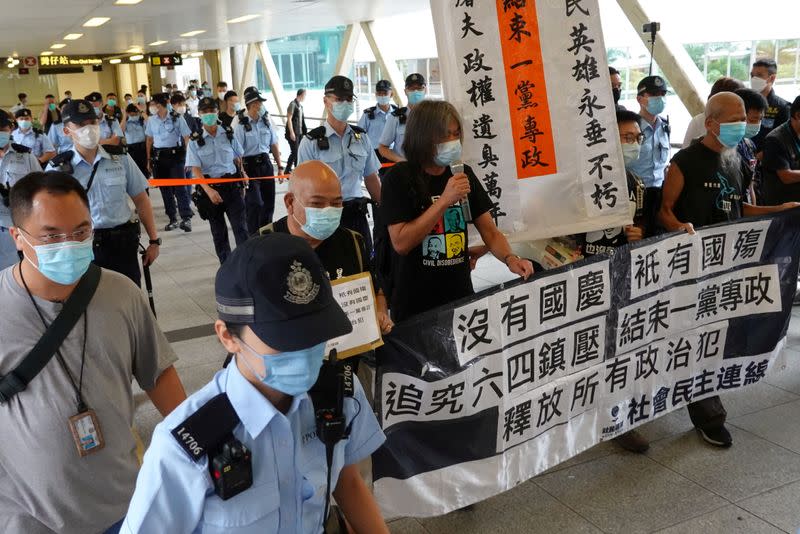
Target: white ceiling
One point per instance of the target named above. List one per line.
(33, 25)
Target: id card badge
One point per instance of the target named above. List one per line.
(86, 432)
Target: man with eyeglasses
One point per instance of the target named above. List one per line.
(59, 475)
(349, 152)
(109, 181)
(608, 240)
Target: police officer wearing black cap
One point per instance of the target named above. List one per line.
(349, 152)
(253, 129)
(373, 120)
(215, 153)
(16, 161)
(110, 180)
(110, 129)
(262, 446)
(167, 137)
(391, 141)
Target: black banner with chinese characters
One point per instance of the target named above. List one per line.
(480, 396)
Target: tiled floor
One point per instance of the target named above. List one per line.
(680, 486)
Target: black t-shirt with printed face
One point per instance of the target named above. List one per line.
(437, 270)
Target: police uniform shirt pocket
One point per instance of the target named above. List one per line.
(253, 510)
(356, 156)
(112, 184)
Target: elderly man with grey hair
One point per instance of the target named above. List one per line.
(705, 186)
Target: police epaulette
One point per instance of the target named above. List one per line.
(22, 149)
(228, 132)
(63, 161)
(197, 137)
(116, 150)
(399, 111)
(358, 130)
(316, 133)
(371, 112)
(206, 428)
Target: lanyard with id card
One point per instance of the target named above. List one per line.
(84, 425)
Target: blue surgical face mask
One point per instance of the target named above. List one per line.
(237, 106)
(209, 119)
(656, 104)
(63, 263)
(98, 112)
(5, 137)
(415, 97)
(343, 110)
(140, 100)
(752, 130)
(321, 223)
(447, 153)
(731, 133)
(293, 373)
(384, 100)
(169, 108)
(24, 125)
(630, 152)
(133, 119)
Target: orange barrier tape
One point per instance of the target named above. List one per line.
(178, 182)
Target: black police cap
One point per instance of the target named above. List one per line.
(94, 97)
(22, 112)
(207, 103)
(415, 79)
(383, 85)
(277, 286)
(78, 111)
(341, 86)
(652, 85)
(251, 94)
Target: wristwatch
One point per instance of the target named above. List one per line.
(511, 256)
(156, 241)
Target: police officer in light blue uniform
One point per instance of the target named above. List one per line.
(276, 312)
(373, 121)
(167, 137)
(35, 139)
(60, 140)
(349, 152)
(110, 130)
(215, 153)
(134, 125)
(110, 180)
(391, 143)
(16, 161)
(655, 150)
(254, 131)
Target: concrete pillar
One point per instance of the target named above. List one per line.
(226, 67)
(273, 78)
(344, 63)
(387, 64)
(211, 58)
(248, 69)
(156, 84)
(683, 75)
(125, 81)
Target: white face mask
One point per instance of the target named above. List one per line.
(630, 152)
(87, 136)
(153, 110)
(221, 95)
(180, 109)
(757, 84)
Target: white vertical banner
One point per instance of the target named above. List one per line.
(530, 78)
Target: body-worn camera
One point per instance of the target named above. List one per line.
(231, 469)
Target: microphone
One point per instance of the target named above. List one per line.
(458, 167)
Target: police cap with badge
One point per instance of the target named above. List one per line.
(340, 86)
(383, 85)
(207, 104)
(277, 286)
(415, 79)
(77, 111)
(94, 97)
(252, 94)
(652, 85)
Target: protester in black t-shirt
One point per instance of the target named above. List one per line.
(781, 163)
(705, 186)
(423, 204)
(762, 79)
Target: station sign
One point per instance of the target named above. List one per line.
(166, 60)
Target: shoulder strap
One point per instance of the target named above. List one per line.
(22, 149)
(91, 176)
(228, 133)
(355, 235)
(268, 229)
(370, 113)
(206, 428)
(316, 133)
(36, 360)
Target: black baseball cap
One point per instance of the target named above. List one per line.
(652, 85)
(341, 86)
(77, 111)
(94, 97)
(5, 119)
(22, 112)
(276, 285)
(207, 103)
(251, 94)
(415, 79)
(383, 85)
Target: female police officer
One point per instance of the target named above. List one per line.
(245, 453)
